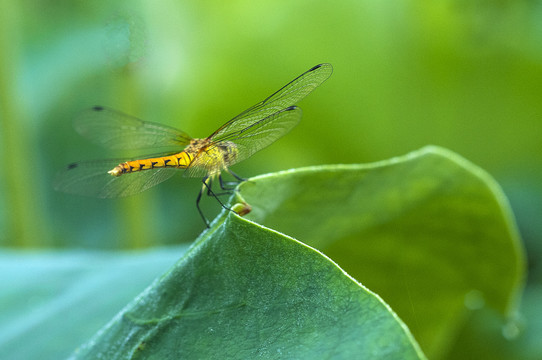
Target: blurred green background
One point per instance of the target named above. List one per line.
(466, 75)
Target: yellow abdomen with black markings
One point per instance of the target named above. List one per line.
(179, 161)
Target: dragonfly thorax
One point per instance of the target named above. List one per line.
(212, 156)
(229, 151)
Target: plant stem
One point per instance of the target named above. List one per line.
(25, 225)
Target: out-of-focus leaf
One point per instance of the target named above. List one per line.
(429, 232)
(486, 336)
(53, 302)
(244, 291)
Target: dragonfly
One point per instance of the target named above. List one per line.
(252, 130)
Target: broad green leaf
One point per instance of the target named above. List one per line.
(429, 232)
(243, 292)
(53, 302)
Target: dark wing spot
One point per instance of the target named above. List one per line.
(98, 108)
(73, 166)
(315, 67)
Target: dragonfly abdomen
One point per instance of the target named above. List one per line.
(180, 160)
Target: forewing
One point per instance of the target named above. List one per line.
(287, 96)
(90, 178)
(248, 140)
(264, 132)
(116, 130)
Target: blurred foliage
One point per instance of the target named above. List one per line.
(466, 75)
(69, 295)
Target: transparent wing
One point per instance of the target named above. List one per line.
(116, 130)
(247, 141)
(90, 178)
(287, 96)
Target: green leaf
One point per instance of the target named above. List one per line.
(429, 232)
(484, 333)
(243, 291)
(53, 302)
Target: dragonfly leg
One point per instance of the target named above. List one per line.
(224, 185)
(207, 183)
(236, 176)
(198, 200)
(210, 192)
